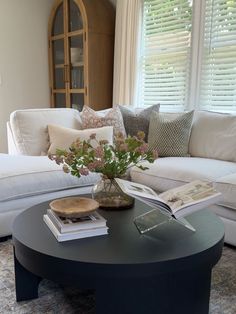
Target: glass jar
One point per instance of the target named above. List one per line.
(110, 196)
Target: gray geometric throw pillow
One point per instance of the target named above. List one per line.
(138, 119)
(169, 133)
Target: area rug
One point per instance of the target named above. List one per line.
(55, 299)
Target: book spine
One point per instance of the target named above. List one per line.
(73, 235)
(97, 222)
(51, 226)
(55, 220)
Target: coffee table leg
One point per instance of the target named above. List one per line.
(26, 283)
(175, 293)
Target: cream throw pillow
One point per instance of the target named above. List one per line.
(62, 138)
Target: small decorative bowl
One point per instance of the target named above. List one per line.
(74, 207)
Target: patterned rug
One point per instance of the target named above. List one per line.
(54, 299)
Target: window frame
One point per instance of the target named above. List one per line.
(196, 59)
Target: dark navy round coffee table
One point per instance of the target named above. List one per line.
(166, 271)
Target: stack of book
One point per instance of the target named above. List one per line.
(65, 229)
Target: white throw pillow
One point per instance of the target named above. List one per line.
(29, 127)
(213, 136)
(62, 138)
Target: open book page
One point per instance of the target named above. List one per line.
(188, 195)
(143, 193)
(179, 201)
(138, 189)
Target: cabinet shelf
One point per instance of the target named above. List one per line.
(77, 91)
(77, 64)
(59, 66)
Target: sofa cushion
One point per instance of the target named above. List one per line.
(213, 136)
(62, 138)
(170, 172)
(169, 133)
(138, 119)
(227, 186)
(23, 176)
(111, 117)
(225, 212)
(29, 127)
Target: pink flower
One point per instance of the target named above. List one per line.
(58, 160)
(99, 153)
(119, 135)
(103, 142)
(141, 135)
(92, 136)
(76, 144)
(83, 171)
(119, 141)
(97, 164)
(142, 149)
(124, 147)
(66, 169)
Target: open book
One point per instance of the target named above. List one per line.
(177, 202)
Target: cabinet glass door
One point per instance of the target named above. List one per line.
(58, 64)
(67, 56)
(77, 101)
(59, 100)
(75, 18)
(58, 23)
(77, 77)
(76, 62)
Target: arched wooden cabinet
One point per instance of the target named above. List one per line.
(81, 50)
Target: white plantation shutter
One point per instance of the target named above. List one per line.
(165, 56)
(218, 76)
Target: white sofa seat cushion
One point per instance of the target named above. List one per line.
(170, 172)
(29, 127)
(213, 135)
(223, 211)
(23, 176)
(227, 186)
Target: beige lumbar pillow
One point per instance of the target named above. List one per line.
(62, 138)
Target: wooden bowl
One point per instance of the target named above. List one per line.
(74, 207)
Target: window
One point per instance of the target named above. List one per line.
(218, 77)
(188, 56)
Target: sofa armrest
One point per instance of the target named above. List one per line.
(29, 128)
(12, 149)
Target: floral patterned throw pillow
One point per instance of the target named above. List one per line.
(111, 117)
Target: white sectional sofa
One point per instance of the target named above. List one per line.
(27, 177)
(212, 147)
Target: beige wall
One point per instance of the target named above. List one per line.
(24, 81)
(23, 58)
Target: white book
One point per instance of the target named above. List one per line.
(177, 202)
(73, 235)
(64, 225)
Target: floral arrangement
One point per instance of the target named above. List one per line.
(112, 161)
